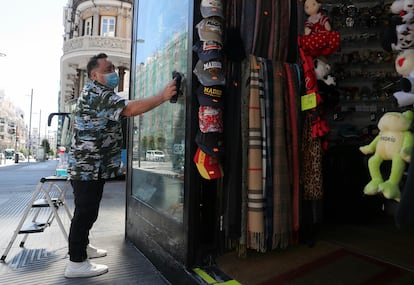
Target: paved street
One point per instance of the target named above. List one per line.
(44, 256)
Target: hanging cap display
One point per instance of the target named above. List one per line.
(210, 29)
(210, 73)
(211, 95)
(208, 51)
(208, 166)
(211, 143)
(211, 8)
(210, 119)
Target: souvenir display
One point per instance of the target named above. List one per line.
(394, 142)
(209, 72)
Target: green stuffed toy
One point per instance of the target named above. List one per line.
(394, 142)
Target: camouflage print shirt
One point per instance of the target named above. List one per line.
(97, 134)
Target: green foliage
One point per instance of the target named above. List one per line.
(151, 142)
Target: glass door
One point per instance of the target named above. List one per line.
(155, 201)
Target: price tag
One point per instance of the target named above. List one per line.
(308, 101)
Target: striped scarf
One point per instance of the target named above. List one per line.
(255, 173)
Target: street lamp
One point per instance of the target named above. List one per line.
(38, 139)
(30, 126)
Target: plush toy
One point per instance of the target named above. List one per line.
(318, 38)
(404, 65)
(316, 22)
(404, 62)
(323, 70)
(399, 34)
(405, 9)
(326, 82)
(394, 142)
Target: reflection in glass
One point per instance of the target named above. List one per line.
(158, 137)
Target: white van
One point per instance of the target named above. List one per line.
(154, 155)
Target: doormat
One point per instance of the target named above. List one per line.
(344, 267)
(211, 275)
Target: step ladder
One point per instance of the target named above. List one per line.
(48, 197)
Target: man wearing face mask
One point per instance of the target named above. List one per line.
(95, 155)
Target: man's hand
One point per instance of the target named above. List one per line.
(140, 106)
(169, 90)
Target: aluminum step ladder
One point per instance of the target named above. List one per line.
(49, 196)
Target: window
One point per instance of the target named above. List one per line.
(158, 155)
(87, 27)
(108, 26)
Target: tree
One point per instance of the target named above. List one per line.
(161, 142)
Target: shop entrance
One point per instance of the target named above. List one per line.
(157, 183)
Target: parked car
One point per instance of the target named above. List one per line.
(154, 155)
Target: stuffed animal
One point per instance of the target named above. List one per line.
(323, 70)
(404, 65)
(318, 38)
(405, 9)
(394, 142)
(399, 34)
(316, 22)
(404, 62)
(326, 82)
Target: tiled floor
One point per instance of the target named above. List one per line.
(44, 257)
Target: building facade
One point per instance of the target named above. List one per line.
(13, 132)
(92, 27)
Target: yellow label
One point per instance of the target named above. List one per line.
(308, 101)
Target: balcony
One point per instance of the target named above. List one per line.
(84, 45)
(77, 52)
(76, 3)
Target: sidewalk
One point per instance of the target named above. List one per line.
(44, 257)
(7, 162)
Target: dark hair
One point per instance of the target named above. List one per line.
(93, 62)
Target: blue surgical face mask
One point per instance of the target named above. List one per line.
(112, 80)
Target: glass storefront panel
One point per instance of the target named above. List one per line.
(159, 135)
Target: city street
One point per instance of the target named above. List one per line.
(44, 256)
(25, 173)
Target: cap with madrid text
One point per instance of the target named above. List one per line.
(210, 73)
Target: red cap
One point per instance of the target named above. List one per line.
(208, 166)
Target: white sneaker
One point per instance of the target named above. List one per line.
(94, 252)
(84, 269)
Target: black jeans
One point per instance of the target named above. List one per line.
(88, 195)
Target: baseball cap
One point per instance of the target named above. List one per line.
(211, 143)
(208, 166)
(210, 119)
(211, 8)
(207, 51)
(210, 29)
(210, 73)
(211, 95)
